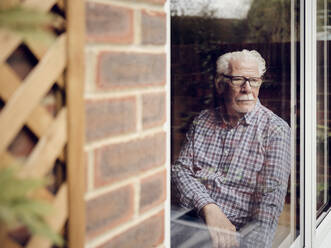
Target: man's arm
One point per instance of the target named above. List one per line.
(272, 187)
(222, 231)
(192, 193)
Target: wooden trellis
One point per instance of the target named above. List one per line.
(60, 135)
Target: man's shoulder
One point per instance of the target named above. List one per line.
(205, 116)
(205, 122)
(274, 122)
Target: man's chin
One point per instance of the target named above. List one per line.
(245, 107)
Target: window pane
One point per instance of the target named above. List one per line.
(217, 162)
(323, 115)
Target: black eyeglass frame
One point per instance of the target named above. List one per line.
(245, 80)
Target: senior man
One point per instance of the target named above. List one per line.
(234, 166)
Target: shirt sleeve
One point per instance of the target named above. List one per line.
(272, 186)
(191, 191)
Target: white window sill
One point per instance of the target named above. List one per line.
(323, 234)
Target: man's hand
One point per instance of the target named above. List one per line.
(222, 231)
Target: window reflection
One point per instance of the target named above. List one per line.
(323, 112)
(201, 31)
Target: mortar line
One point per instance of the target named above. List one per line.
(137, 27)
(123, 138)
(131, 180)
(123, 93)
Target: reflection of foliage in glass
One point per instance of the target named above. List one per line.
(323, 139)
(324, 16)
(321, 133)
(202, 33)
(183, 7)
(269, 21)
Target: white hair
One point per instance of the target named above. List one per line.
(224, 60)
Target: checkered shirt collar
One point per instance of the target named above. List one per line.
(247, 119)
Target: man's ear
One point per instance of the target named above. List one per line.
(219, 84)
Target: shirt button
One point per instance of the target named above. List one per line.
(226, 152)
(208, 186)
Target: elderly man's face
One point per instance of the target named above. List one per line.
(240, 100)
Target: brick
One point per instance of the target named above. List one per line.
(127, 70)
(107, 23)
(152, 191)
(106, 118)
(109, 210)
(149, 233)
(120, 161)
(154, 109)
(153, 27)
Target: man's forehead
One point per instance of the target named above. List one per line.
(243, 64)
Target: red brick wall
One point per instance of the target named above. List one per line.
(125, 96)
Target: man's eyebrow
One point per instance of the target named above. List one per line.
(245, 77)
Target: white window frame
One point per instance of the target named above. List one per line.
(310, 77)
(310, 236)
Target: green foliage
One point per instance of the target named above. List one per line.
(269, 21)
(321, 131)
(323, 16)
(19, 18)
(29, 23)
(18, 207)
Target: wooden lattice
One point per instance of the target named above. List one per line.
(23, 107)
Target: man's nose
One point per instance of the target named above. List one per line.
(246, 87)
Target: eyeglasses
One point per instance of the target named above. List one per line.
(239, 81)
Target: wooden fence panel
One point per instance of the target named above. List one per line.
(76, 120)
(57, 130)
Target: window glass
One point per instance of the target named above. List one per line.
(202, 31)
(323, 112)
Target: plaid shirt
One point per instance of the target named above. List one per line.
(243, 169)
